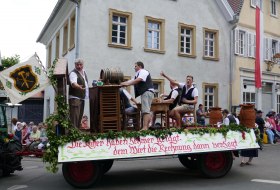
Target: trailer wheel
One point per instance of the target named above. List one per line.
(189, 161)
(82, 174)
(215, 164)
(106, 165)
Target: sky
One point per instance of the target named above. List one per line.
(21, 22)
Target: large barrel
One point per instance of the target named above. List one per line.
(111, 76)
(247, 115)
(215, 115)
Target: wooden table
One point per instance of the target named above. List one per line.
(160, 108)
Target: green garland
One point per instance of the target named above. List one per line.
(61, 120)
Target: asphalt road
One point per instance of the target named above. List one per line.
(163, 173)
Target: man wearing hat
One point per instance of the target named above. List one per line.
(260, 122)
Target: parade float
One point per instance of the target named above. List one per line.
(87, 155)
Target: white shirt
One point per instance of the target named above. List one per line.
(174, 94)
(194, 92)
(73, 79)
(143, 74)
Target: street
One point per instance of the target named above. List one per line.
(157, 173)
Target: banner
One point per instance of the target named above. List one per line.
(24, 80)
(259, 47)
(176, 143)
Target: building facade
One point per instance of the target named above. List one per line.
(179, 37)
(244, 48)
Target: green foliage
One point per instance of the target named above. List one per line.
(10, 61)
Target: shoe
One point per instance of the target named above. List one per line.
(242, 164)
(248, 163)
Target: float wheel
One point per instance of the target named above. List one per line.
(215, 164)
(82, 174)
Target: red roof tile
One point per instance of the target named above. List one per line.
(236, 5)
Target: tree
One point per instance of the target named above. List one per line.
(10, 61)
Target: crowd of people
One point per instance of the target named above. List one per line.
(30, 135)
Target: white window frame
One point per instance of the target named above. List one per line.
(155, 33)
(273, 8)
(251, 45)
(207, 95)
(120, 24)
(208, 43)
(186, 45)
(278, 102)
(274, 47)
(241, 42)
(127, 32)
(254, 3)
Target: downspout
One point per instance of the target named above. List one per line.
(234, 21)
(77, 18)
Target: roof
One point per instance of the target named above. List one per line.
(51, 18)
(236, 5)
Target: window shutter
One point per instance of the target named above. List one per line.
(246, 53)
(265, 48)
(254, 45)
(236, 41)
(269, 48)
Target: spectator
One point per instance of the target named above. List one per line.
(260, 122)
(24, 133)
(200, 115)
(268, 130)
(14, 125)
(228, 118)
(84, 122)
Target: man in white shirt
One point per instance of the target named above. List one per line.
(188, 98)
(143, 86)
(78, 92)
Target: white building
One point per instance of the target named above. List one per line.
(180, 37)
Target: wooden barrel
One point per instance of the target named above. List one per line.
(215, 115)
(111, 76)
(247, 115)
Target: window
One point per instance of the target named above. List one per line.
(120, 29)
(50, 55)
(211, 44)
(278, 103)
(267, 49)
(158, 86)
(186, 40)
(72, 31)
(254, 3)
(251, 45)
(65, 38)
(273, 8)
(249, 98)
(57, 41)
(241, 42)
(154, 35)
(274, 46)
(210, 95)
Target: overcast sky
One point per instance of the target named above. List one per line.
(21, 22)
